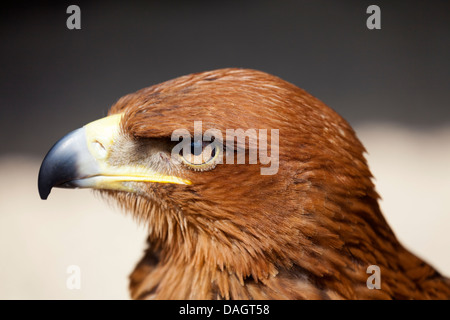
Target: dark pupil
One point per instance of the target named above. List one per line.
(196, 148)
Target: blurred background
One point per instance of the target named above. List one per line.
(392, 85)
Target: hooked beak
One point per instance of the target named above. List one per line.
(80, 160)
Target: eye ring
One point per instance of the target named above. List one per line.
(202, 155)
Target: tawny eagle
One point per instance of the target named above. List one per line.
(224, 230)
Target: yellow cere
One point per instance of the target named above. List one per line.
(100, 135)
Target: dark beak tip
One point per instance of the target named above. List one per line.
(59, 165)
(43, 186)
(43, 197)
(43, 194)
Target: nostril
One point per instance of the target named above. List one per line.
(99, 149)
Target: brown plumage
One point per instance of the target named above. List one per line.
(307, 232)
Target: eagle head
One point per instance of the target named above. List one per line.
(249, 186)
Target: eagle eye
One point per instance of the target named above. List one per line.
(201, 155)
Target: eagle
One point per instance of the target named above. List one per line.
(219, 226)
